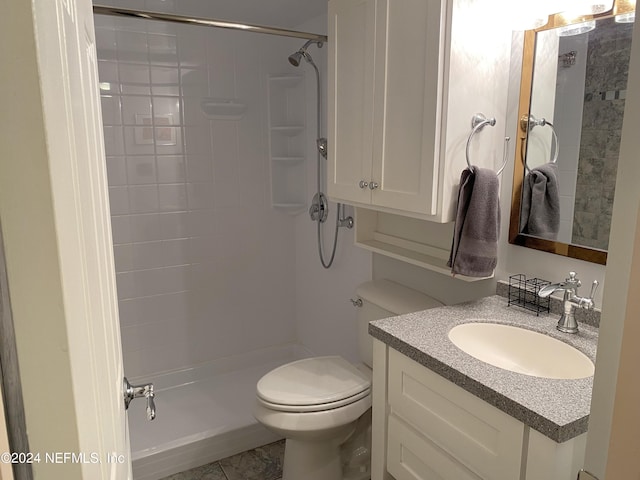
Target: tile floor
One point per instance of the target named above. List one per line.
(262, 463)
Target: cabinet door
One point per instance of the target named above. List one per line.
(350, 89)
(409, 63)
(478, 435)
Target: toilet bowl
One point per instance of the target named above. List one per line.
(317, 403)
(314, 403)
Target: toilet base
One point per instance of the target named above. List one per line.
(310, 460)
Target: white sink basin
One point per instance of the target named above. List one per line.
(521, 351)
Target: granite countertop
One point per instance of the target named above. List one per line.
(558, 409)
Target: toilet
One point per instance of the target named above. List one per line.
(321, 405)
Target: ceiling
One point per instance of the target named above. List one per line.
(278, 13)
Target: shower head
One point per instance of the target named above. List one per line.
(294, 58)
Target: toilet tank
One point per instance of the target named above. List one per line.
(382, 299)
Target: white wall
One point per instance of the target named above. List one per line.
(325, 318)
(205, 267)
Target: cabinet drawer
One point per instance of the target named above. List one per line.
(484, 439)
(411, 456)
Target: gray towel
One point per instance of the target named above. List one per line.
(474, 251)
(540, 213)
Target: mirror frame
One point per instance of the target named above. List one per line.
(528, 56)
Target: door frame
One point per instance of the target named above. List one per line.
(55, 216)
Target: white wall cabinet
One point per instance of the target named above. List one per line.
(405, 79)
(427, 428)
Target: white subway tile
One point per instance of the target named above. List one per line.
(123, 258)
(138, 140)
(108, 75)
(136, 110)
(165, 81)
(166, 110)
(163, 49)
(106, 43)
(173, 306)
(113, 141)
(169, 140)
(171, 168)
(116, 171)
(132, 46)
(172, 197)
(145, 228)
(125, 284)
(120, 229)
(128, 312)
(147, 255)
(175, 252)
(134, 79)
(141, 170)
(143, 198)
(118, 200)
(111, 110)
(174, 225)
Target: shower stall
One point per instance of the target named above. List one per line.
(211, 144)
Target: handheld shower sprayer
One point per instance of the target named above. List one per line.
(319, 209)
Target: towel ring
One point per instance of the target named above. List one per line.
(478, 122)
(528, 122)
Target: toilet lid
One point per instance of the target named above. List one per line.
(312, 381)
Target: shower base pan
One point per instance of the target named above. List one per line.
(204, 413)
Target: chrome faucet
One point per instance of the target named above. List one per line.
(567, 322)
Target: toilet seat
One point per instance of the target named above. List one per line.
(312, 385)
(317, 407)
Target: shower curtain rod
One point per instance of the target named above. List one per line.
(207, 22)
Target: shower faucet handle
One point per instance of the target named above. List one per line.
(139, 391)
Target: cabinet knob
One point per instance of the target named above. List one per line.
(373, 185)
(363, 184)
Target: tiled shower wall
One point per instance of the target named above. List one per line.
(204, 266)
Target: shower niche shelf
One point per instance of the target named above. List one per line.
(287, 143)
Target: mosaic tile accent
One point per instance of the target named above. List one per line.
(262, 463)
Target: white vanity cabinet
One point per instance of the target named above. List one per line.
(405, 78)
(427, 428)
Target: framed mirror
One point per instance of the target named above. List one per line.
(572, 94)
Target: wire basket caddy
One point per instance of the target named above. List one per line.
(523, 293)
